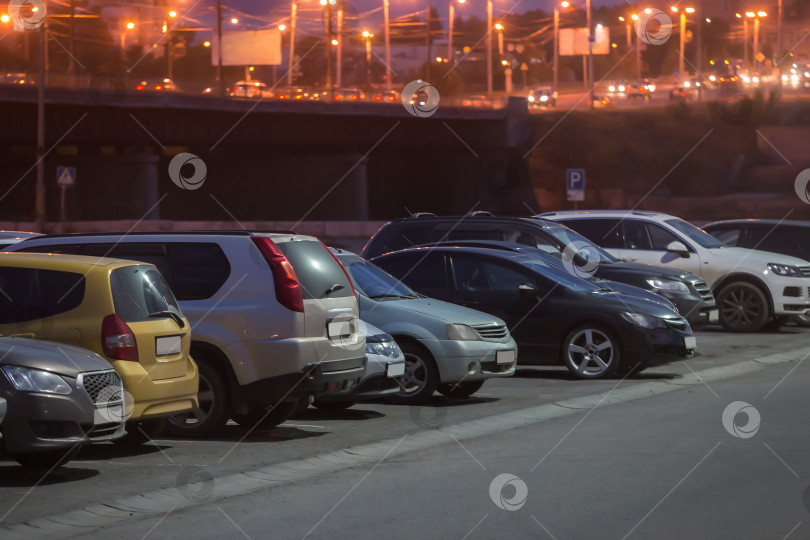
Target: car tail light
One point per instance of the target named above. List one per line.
(345, 272)
(377, 98)
(158, 87)
(117, 339)
(299, 97)
(355, 98)
(288, 289)
(282, 97)
(139, 88)
(391, 98)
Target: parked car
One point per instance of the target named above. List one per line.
(56, 399)
(555, 317)
(386, 96)
(557, 260)
(349, 94)
(786, 237)
(120, 310)
(8, 238)
(156, 86)
(384, 371)
(447, 348)
(602, 102)
(274, 317)
(750, 285)
(640, 90)
(687, 291)
(16, 78)
(680, 94)
(617, 88)
(544, 96)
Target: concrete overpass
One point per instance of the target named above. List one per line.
(266, 160)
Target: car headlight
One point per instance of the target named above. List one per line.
(462, 332)
(665, 285)
(644, 321)
(382, 345)
(531, 98)
(621, 89)
(612, 88)
(543, 98)
(36, 380)
(785, 270)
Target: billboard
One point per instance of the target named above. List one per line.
(248, 48)
(574, 41)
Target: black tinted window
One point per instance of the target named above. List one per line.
(778, 240)
(635, 235)
(139, 291)
(473, 275)
(730, 237)
(317, 271)
(28, 294)
(605, 233)
(198, 270)
(397, 236)
(417, 270)
(660, 238)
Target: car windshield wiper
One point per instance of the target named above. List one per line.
(378, 296)
(177, 318)
(333, 288)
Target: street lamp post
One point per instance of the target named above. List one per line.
(745, 38)
(368, 35)
(427, 42)
(629, 32)
(499, 28)
(489, 47)
(339, 77)
(557, 43)
(682, 59)
(387, 44)
(590, 52)
(293, 16)
(220, 79)
(329, 44)
(638, 49)
(450, 24)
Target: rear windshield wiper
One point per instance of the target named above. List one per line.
(334, 288)
(177, 318)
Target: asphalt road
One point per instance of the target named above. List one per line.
(647, 457)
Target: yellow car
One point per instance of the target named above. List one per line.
(122, 310)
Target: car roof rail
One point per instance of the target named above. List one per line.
(479, 213)
(422, 214)
(166, 233)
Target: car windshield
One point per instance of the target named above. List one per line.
(140, 293)
(700, 236)
(566, 236)
(373, 282)
(561, 277)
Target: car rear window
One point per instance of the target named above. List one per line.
(139, 292)
(27, 294)
(317, 270)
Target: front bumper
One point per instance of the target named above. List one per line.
(696, 306)
(791, 295)
(654, 347)
(375, 383)
(471, 360)
(336, 379)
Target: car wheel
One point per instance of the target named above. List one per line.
(142, 431)
(214, 409)
(267, 417)
(48, 460)
(334, 405)
(801, 320)
(591, 351)
(460, 390)
(421, 377)
(743, 307)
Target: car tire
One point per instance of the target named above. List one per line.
(421, 376)
(267, 417)
(142, 431)
(743, 307)
(214, 410)
(334, 405)
(591, 351)
(460, 390)
(801, 320)
(47, 460)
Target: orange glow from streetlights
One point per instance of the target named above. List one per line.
(498, 26)
(206, 43)
(282, 27)
(234, 21)
(172, 14)
(130, 25)
(4, 18)
(565, 4)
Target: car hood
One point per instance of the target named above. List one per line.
(49, 356)
(632, 290)
(637, 304)
(641, 270)
(442, 311)
(756, 256)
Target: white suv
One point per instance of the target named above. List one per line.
(753, 288)
(274, 317)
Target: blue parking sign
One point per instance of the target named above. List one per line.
(575, 184)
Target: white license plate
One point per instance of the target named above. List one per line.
(395, 370)
(505, 357)
(166, 345)
(690, 342)
(340, 329)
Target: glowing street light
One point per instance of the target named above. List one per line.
(130, 25)
(499, 28)
(4, 18)
(172, 14)
(206, 43)
(556, 66)
(234, 20)
(282, 27)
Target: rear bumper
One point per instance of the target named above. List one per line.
(161, 398)
(335, 379)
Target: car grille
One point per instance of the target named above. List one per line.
(795, 292)
(677, 324)
(491, 331)
(103, 387)
(376, 383)
(805, 270)
(703, 290)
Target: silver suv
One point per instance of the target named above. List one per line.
(274, 317)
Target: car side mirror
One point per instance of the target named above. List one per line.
(528, 290)
(679, 248)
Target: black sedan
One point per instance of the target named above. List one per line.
(555, 317)
(58, 399)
